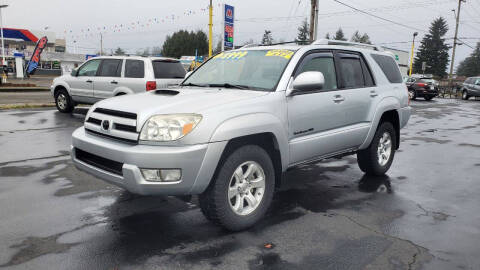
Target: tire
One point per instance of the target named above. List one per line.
(465, 95)
(369, 160)
(63, 101)
(412, 94)
(221, 202)
(428, 98)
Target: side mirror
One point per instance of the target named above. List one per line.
(188, 74)
(308, 81)
(74, 72)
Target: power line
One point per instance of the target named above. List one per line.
(378, 17)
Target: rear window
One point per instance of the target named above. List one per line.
(389, 68)
(168, 70)
(134, 69)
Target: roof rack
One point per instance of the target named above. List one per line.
(346, 43)
(273, 44)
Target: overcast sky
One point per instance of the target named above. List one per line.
(144, 18)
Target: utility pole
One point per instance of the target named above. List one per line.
(313, 29)
(411, 56)
(450, 76)
(210, 30)
(101, 44)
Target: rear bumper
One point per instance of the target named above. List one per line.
(427, 92)
(197, 162)
(404, 115)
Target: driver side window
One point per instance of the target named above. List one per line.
(324, 64)
(90, 68)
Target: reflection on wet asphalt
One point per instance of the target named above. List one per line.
(327, 216)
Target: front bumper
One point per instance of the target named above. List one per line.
(197, 162)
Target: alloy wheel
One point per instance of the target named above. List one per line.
(246, 188)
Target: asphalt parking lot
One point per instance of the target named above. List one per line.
(423, 215)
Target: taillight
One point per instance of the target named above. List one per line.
(421, 84)
(151, 85)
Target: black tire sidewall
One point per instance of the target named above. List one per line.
(414, 96)
(368, 159)
(227, 217)
(69, 107)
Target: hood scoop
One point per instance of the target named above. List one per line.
(166, 92)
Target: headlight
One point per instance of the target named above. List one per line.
(169, 127)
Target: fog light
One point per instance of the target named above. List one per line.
(162, 175)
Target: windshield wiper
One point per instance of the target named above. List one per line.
(228, 85)
(197, 85)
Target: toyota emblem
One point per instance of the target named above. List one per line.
(105, 125)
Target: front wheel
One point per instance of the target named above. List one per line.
(242, 191)
(63, 101)
(465, 95)
(412, 94)
(378, 157)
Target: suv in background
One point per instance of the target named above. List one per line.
(104, 77)
(234, 127)
(471, 88)
(422, 87)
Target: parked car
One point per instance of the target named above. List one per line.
(471, 88)
(104, 77)
(422, 87)
(232, 129)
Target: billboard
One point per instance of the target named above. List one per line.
(228, 19)
(33, 63)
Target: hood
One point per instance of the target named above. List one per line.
(182, 100)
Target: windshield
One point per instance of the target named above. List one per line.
(252, 70)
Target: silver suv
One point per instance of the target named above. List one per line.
(232, 129)
(104, 77)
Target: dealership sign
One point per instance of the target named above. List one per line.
(35, 60)
(229, 15)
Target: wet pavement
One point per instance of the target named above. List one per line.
(423, 215)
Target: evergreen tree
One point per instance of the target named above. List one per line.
(303, 35)
(267, 38)
(339, 35)
(185, 43)
(471, 65)
(434, 50)
(327, 36)
(360, 38)
(119, 51)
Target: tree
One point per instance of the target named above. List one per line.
(185, 43)
(327, 36)
(433, 50)
(339, 35)
(471, 65)
(267, 38)
(218, 48)
(303, 35)
(119, 51)
(360, 38)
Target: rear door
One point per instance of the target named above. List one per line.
(107, 79)
(168, 72)
(134, 76)
(82, 84)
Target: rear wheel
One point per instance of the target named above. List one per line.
(242, 190)
(378, 157)
(412, 94)
(465, 95)
(63, 101)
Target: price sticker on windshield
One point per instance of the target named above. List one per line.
(287, 54)
(231, 55)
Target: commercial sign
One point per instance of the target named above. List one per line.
(35, 60)
(229, 17)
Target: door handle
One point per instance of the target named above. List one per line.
(373, 93)
(114, 82)
(338, 99)
(89, 81)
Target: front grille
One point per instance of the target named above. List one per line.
(111, 137)
(99, 162)
(113, 124)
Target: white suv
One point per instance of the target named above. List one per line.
(104, 77)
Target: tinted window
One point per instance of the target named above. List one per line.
(90, 68)
(134, 69)
(352, 75)
(367, 74)
(110, 68)
(389, 68)
(168, 70)
(326, 66)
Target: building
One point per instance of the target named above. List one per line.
(402, 58)
(54, 59)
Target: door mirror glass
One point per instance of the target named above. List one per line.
(308, 81)
(74, 72)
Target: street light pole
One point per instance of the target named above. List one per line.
(1, 30)
(411, 56)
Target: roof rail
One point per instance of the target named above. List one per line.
(346, 43)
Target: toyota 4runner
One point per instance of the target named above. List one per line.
(234, 126)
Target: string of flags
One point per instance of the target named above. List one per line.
(133, 25)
